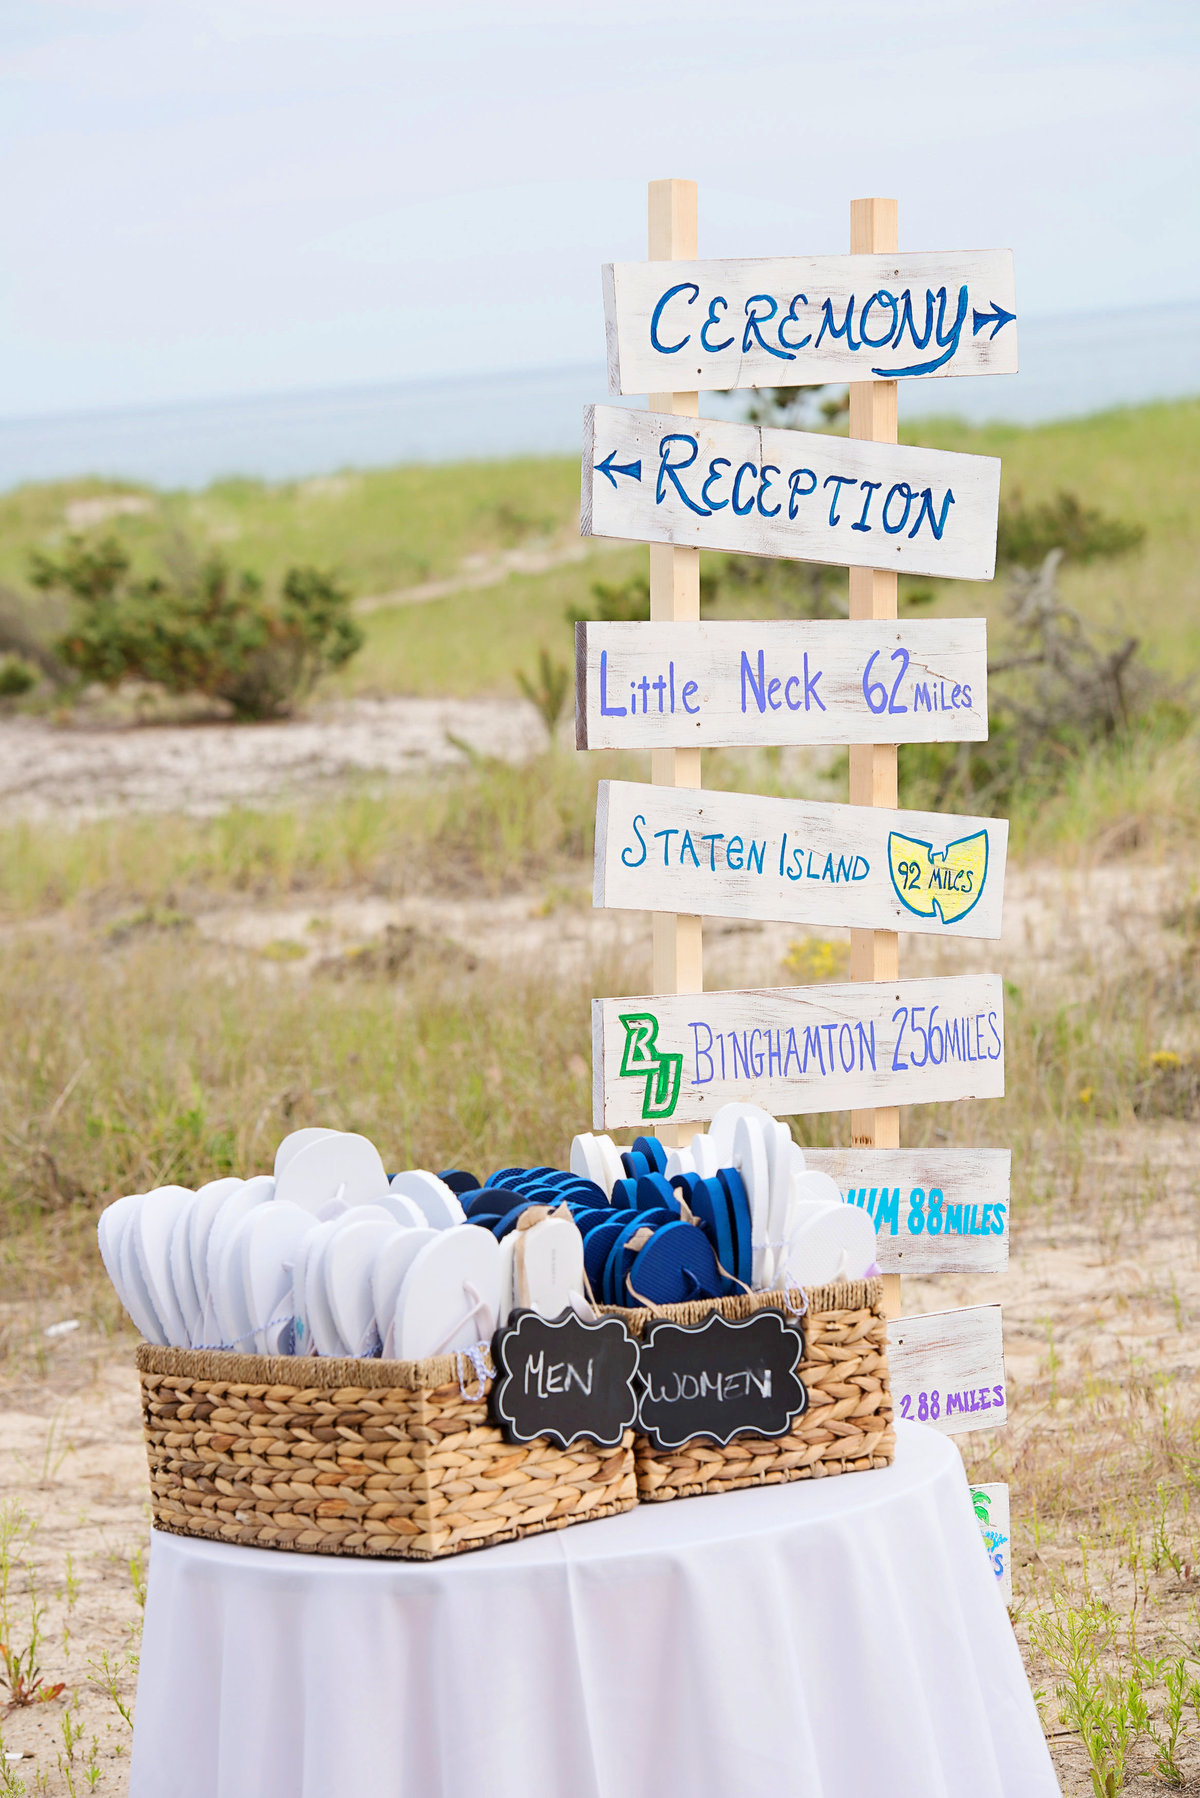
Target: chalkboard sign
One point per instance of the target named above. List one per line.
(720, 1379)
(564, 1379)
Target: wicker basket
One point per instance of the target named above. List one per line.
(847, 1426)
(383, 1458)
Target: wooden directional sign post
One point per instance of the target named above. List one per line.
(935, 1211)
(739, 685)
(802, 321)
(947, 1369)
(678, 953)
(657, 479)
(876, 318)
(734, 855)
(797, 1049)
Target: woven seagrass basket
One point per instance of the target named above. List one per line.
(382, 1458)
(847, 1426)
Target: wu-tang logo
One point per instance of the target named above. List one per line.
(643, 1056)
(943, 883)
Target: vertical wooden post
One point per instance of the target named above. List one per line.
(675, 595)
(874, 954)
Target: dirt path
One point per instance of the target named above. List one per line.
(476, 572)
(89, 772)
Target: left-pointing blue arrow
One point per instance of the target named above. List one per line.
(613, 468)
(997, 318)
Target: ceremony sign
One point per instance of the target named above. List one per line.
(797, 321)
(735, 685)
(656, 478)
(947, 1368)
(797, 1049)
(935, 1211)
(736, 855)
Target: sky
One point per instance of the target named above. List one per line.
(234, 197)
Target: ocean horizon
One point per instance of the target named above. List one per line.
(1070, 367)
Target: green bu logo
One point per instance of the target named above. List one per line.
(642, 1056)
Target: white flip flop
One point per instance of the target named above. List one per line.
(223, 1322)
(209, 1199)
(508, 1280)
(340, 1165)
(779, 1165)
(265, 1244)
(151, 1233)
(183, 1278)
(587, 1161)
(322, 1327)
(440, 1205)
(346, 1265)
(136, 1294)
(547, 1265)
(750, 1160)
(813, 1184)
(403, 1211)
(113, 1234)
(680, 1161)
(837, 1244)
(292, 1144)
(614, 1167)
(451, 1296)
(111, 1226)
(388, 1275)
(705, 1156)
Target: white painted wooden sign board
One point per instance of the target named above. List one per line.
(797, 1049)
(992, 1514)
(935, 1211)
(947, 1369)
(653, 477)
(796, 321)
(735, 685)
(737, 855)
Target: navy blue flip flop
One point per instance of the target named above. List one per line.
(677, 1265)
(652, 1149)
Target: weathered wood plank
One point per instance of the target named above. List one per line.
(737, 855)
(797, 1049)
(947, 1368)
(936, 1211)
(653, 477)
(677, 946)
(992, 1512)
(793, 321)
(735, 684)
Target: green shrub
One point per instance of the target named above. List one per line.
(199, 628)
(1027, 533)
(619, 602)
(16, 677)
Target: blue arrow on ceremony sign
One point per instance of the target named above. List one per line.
(997, 318)
(613, 469)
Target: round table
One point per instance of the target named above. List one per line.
(837, 1638)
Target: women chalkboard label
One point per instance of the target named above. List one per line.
(564, 1379)
(720, 1379)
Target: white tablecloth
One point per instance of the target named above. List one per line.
(839, 1638)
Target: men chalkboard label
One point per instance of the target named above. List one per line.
(564, 1379)
(720, 1379)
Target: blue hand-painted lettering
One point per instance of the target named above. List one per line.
(669, 470)
(714, 348)
(671, 349)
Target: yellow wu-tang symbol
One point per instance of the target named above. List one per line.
(943, 883)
